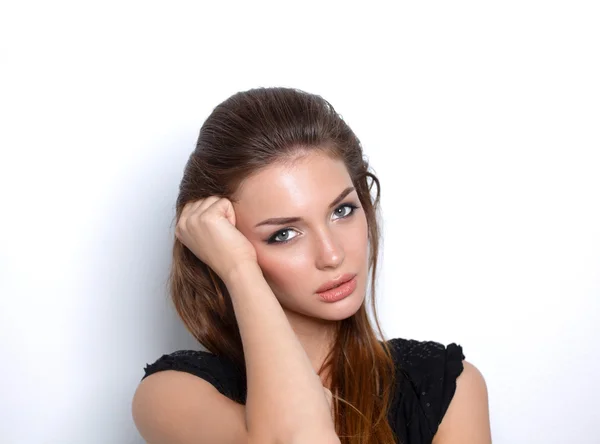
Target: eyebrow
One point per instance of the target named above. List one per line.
(290, 220)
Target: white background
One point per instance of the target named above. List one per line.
(481, 120)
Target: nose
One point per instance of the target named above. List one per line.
(330, 252)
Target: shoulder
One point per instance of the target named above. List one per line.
(467, 417)
(218, 371)
(189, 396)
(428, 373)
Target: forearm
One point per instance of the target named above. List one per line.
(285, 399)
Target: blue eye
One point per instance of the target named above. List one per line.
(273, 239)
(346, 205)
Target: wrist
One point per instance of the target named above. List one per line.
(242, 272)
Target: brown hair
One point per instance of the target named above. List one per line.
(248, 131)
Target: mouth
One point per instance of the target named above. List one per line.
(342, 291)
(336, 282)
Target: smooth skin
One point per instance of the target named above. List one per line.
(272, 271)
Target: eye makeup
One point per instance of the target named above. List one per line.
(273, 238)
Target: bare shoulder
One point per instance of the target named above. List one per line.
(179, 408)
(467, 418)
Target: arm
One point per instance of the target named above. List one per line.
(285, 399)
(467, 419)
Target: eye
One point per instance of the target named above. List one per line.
(345, 205)
(286, 238)
(282, 234)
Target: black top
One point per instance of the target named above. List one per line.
(426, 373)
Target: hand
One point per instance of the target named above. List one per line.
(207, 228)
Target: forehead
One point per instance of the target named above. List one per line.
(283, 189)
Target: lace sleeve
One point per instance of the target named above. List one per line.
(432, 369)
(204, 365)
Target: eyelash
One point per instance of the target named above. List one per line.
(348, 204)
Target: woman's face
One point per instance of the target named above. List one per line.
(325, 242)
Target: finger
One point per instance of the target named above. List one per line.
(206, 204)
(196, 205)
(224, 207)
(188, 212)
(189, 207)
(216, 205)
(229, 212)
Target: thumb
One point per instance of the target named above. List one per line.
(226, 209)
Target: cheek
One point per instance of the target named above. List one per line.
(360, 235)
(283, 270)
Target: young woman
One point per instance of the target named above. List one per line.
(276, 238)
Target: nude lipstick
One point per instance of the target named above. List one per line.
(338, 289)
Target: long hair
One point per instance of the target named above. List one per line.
(248, 131)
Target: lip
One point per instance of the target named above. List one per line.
(340, 292)
(336, 282)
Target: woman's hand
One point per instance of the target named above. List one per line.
(207, 228)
